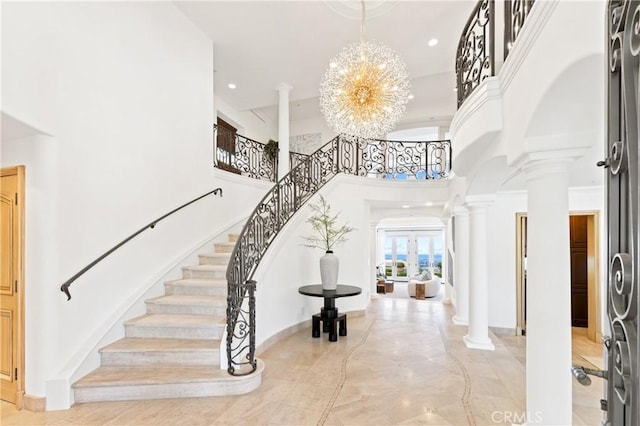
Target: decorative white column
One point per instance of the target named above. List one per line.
(373, 245)
(478, 335)
(548, 350)
(283, 129)
(445, 264)
(461, 265)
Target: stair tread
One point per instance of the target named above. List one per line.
(185, 299)
(215, 254)
(205, 267)
(176, 320)
(198, 282)
(144, 344)
(150, 375)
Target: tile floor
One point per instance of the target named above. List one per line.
(403, 362)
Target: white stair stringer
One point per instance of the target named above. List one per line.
(176, 349)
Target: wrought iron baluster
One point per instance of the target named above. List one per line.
(476, 50)
(515, 15)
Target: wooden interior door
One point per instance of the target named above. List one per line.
(226, 146)
(11, 285)
(579, 271)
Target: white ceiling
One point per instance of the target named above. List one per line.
(260, 44)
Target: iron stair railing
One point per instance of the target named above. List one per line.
(343, 154)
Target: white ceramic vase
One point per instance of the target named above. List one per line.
(329, 264)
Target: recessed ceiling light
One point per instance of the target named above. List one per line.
(411, 96)
(231, 86)
(428, 203)
(406, 206)
(433, 42)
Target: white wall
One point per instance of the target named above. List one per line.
(502, 249)
(287, 265)
(312, 125)
(247, 123)
(126, 92)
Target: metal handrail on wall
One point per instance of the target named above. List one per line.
(65, 286)
(343, 154)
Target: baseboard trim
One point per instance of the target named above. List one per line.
(505, 331)
(294, 329)
(36, 404)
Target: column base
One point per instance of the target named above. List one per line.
(459, 321)
(471, 343)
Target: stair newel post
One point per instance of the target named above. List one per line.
(230, 325)
(251, 284)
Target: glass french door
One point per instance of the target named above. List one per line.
(410, 253)
(396, 256)
(430, 249)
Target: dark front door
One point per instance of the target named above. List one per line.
(579, 271)
(622, 211)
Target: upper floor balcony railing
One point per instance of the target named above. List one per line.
(240, 155)
(373, 158)
(476, 54)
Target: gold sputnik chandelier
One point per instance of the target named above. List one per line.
(365, 90)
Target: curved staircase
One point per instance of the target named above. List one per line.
(173, 351)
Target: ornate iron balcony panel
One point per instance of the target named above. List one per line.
(396, 159)
(476, 50)
(515, 13)
(243, 156)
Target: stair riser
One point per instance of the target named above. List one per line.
(209, 260)
(163, 308)
(196, 290)
(232, 238)
(211, 358)
(211, 275)
(162, 391)
(223, 248)
(215, 332)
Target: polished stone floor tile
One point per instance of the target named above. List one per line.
(403, 362)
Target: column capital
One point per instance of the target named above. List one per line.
(479, 201)
(537, 168)
(284, 87)
(460, 211)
